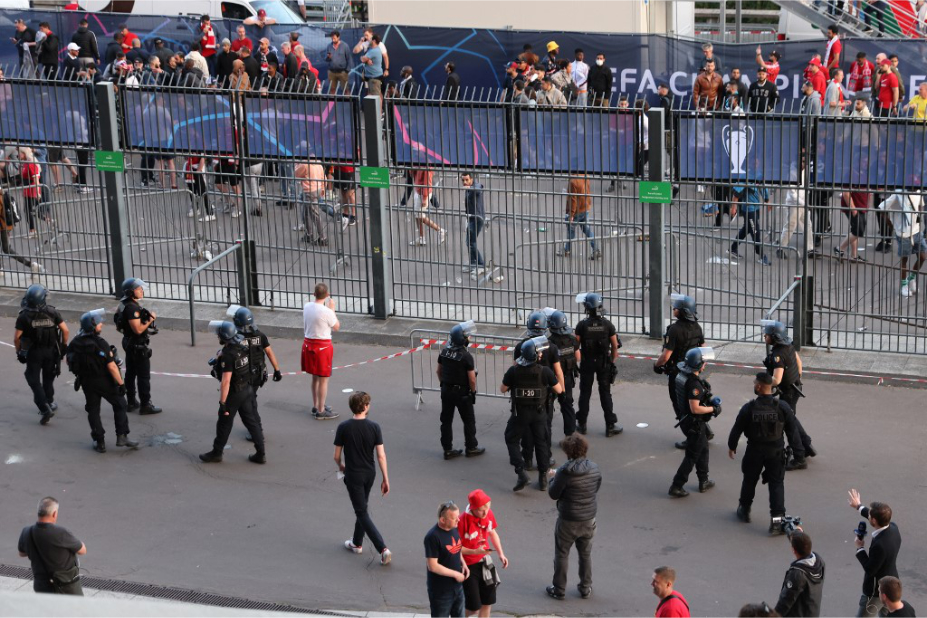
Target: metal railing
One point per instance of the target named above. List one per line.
(237, 250)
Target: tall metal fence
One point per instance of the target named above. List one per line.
(487, 209)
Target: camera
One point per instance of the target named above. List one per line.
(116, 358)
(860, 531)
(787, 523)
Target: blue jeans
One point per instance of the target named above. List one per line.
(450, 603)
(580, 219)
(288, 182)
(474, 227)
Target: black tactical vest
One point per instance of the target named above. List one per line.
(786, 354)
(567, 346)
(86, 356)
(237, 355)
(767, 423)
(255, 353)
(453, 371)
(42, 331)
(595, 339)
(689, 336)
(529, 393)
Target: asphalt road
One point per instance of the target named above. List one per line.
(274, 532)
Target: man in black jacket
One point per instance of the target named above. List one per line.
(452, 84)
(48, 52)
(112, 49)
(86, 42)
(600, 82)
(762, 94)
(408, 87)
(883, 551)
(574, 487)
(804, 581)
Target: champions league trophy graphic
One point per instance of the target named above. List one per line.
(737, 142)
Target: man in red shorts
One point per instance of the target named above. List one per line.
(319, 320)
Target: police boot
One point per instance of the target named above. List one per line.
(529, 464)
(775, 528)
(683, 445)
(149, 408)
(54, 407)
(99, 446)
(743, 514)
(809, 450)
(542, 481)
(123, 440)
(453, 453)
(796, 464)
(581, 428)
(705, 485)
(476, 451)
(613, 430)
(211, 457)
(133, 402)
(677, 492)
(257, 458)
(47, 415)
(523, 480)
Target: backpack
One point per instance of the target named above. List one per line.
(10, 210)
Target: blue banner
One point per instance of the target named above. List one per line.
(874, 153)
(45, 113)
(595, 142)
(184, 121)
(728, 147)
(457, 135)
(316, 128)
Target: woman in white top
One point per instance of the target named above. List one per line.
(319, 320)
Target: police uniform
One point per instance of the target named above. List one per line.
(566, 348)
(594, 335)
(89, 356)
(256, 342)
(784, 356)
(530, 388)
(456, 362)
(680, 337)
(765, 421)
(138, 352)
(40, 341)
(549, 358)
(689, 386)
(235, 359)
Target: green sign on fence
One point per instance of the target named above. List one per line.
(110, 161)
(655, 192)
(374, 177)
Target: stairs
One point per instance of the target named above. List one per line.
(892, 18)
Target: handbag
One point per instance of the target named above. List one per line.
(490, 573)
(64, 582)
(10, 210)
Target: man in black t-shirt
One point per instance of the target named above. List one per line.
(446, 570)
(358, 438)
(890, 594)
(51, 549)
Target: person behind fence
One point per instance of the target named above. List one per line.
(881, 559)
(457, 375)
(784, 365)
(549, 356)
(803, 586)
(598, 351)
(904, 211)
(94, 363)
(39, 340)
(9, 217)
(752, 199)
(53, 552)
(232, 367)
(561, 335)
(137, 325)
(855, 205)
(423, 183)
(194, 173)
(574, 486)
(765, 421)
(530, 383)
(682, 335)
(579, 209)
(311, 176)
(890, 595)
(258, 348)
(479, 536)
(476, 215)
(695, 404)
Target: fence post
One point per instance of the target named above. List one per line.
(117, 214)
(657, 270)
(379, 218)
(798, 319)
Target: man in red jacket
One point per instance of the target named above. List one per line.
(817, 79)
(208, 43)
(127, 37)
(672, 604)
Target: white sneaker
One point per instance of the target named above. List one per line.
(38, 268)
(420, 242)
(84, 189)
(350, 546)
(905, 289)
(236, 213)
(466, 269)
(912, 284)
(345, 221)
(190, 213)
(441, 236)
(386, 557)
(300, 228)
(208, 218)
(479, 271)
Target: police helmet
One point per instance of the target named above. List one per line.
(529, 353)
(460, 334)
(776, 330)
(558, 323)
(695, 359)
(226, 331)
(686, 306)
(90, 320)
(591, 301)
(35, 296)
(131, 284)
(537, 323)
(242, 317)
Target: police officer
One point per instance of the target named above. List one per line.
(530, 383)
(764, 421)
(681, 336)
(91, 359)
(549, 356)
(784, 365)
(39, 341)
(258, 347)
(457, 376)
(598, 350)
(137, 325)
(561, 336)
(232, 367)
(694, 406)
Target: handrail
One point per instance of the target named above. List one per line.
(196, 271)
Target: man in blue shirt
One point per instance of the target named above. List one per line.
(476, 213)
(373, 66)
(752, 199)
(338, 55)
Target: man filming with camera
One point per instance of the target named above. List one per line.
(879, 561)
(804, 581)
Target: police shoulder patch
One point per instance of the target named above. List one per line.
(776, 358)
(696, 391)
(135, 314)
(788, 584)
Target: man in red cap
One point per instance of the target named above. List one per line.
(817, 78)
(889, 92)
(477, 527)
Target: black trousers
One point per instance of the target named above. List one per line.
(598, 371)
(791, 397)
(457, 398)
(94, 392)
(696, 455)
(41, 370)
(359, 492)
(527, 440)
(768, 462)
(820, 215)
(257, 415)
(240, 402)
(516, 428)
(138, 371)
(566, 403)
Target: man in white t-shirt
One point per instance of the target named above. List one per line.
(904, 210)
(319, 320)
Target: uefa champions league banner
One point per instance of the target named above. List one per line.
(449, 135)
(563, 141)
(44, 113)
(182, 121)
(296, 127)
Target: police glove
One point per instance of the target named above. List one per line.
(472, 398)
(575, 372)
(223, 409)
(122, 390)
(21, 356)
(277, 375)
(659, 369)
(716, 405)
(620, 345)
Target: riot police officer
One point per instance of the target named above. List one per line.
(137, 324)
(92, 360)
(39, 341)
(530, 383)
(598, 350)
(561, 336)
(681, 336)
(457, 376)
(764, 421)
(549, 356)
(694, 406)
(784, 365)
(258, 347)
(232, 367)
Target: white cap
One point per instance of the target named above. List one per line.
(73, 47)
